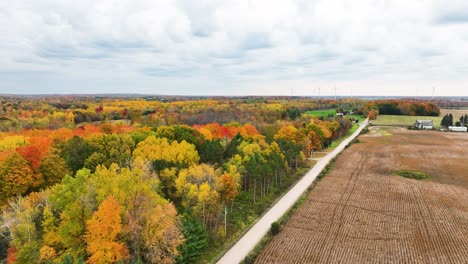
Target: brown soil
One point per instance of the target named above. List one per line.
(361, 213)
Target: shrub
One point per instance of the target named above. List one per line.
(275, 228)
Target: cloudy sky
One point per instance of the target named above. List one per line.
(235, 47)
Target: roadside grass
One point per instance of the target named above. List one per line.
(319, 155)
(417, 175)
(400, 120)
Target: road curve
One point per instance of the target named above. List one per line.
(247, 243)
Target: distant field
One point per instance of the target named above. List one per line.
(361, 212)
(319, 113)
(455, 112)
(409, 120)
(399, 120)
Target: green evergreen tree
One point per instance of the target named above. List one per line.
(231, 148)
(211, 151)
(196, 240)
(75, 151)
(450, 120)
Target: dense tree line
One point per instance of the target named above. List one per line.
(401, 107)
(71, 112)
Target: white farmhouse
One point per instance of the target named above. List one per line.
(424, 124)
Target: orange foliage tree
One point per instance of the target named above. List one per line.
(372, 114)
(102, 236)
(16, 176)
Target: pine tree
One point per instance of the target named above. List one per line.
(450, 120)
(196, 240)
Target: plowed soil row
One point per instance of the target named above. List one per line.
(362, 213)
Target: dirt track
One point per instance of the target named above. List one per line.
(361, 213)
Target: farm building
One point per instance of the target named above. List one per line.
(424, 124)
(458, 129)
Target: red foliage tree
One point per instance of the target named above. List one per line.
(11, 255)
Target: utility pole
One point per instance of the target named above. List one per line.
(433, 92)
(335, 92)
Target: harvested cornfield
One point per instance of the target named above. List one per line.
(362, 213)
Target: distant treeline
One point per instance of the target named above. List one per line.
(72, 112)
(403, 107)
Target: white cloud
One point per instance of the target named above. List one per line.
(234, 46)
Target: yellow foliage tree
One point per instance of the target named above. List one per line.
(12, 142)
(197, 186)
(161, 234)
(154, 149)
(47, 253)
(167, 158)
(289, 133)
(150, 223)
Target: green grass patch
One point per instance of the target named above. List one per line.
(319, 113)
(417, 175)
(358, 117)
(332, 112)
(400, 120)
